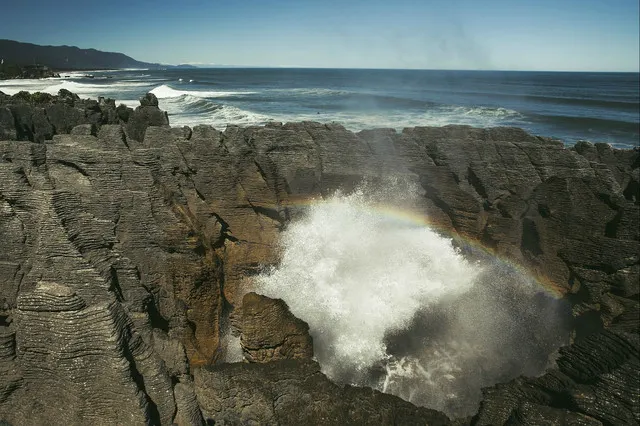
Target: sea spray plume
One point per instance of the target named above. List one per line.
(395, 306)
(356, 276)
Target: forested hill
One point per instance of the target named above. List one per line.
(65, 57)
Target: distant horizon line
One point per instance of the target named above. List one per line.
(214, 66)
(201, 65)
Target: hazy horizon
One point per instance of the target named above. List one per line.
(497, 35)
(216, 66)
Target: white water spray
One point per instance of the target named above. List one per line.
(395, 306)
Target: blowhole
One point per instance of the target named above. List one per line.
(407, 311)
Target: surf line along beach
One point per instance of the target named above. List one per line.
(600, 107)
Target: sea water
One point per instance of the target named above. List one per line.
(599, 107)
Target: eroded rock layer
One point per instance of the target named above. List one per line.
(127, 247)
(296, 392)
(271, 333)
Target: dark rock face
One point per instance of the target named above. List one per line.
(296, 392)
(127, 246)
(149, 100)
(596, 383)
(56, 333)
(39, 116)
(271, 333)
(13, 70)
(143, 117)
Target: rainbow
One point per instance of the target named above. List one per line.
(420, 219)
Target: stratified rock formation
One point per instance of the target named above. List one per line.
(596, 383)
(271, 333)
(37, 117)
(127, 247)
(293, 393)
(81, 354)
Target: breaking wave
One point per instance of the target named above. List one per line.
(188, 111)
(54, 85)
(164, 92)
(396, 306)
(399, 119)
(193, 105)
(83, 88)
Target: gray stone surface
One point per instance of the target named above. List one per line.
(294, 392)
(38, 117)
(127, 246)
(269, 332)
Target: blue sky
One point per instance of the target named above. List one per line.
(595, 35)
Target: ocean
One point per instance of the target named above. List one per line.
(598, 107)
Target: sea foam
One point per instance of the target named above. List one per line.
(164, 92)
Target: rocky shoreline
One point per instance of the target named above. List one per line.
(13, 71)
(128, 249)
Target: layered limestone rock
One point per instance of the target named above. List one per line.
(73, 360)
(271, 333)
(10, 374)
(293, 392)
(596, 383)
(127, 248)
(37, 117)
(571, 220)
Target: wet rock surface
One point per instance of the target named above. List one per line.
(127, 248)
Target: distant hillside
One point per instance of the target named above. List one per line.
(65, 57)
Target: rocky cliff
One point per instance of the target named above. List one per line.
(128, 249)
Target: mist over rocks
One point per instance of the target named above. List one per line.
(128, 246)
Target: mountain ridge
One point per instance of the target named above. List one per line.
(66, 57)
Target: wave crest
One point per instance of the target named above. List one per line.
(166, 92)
